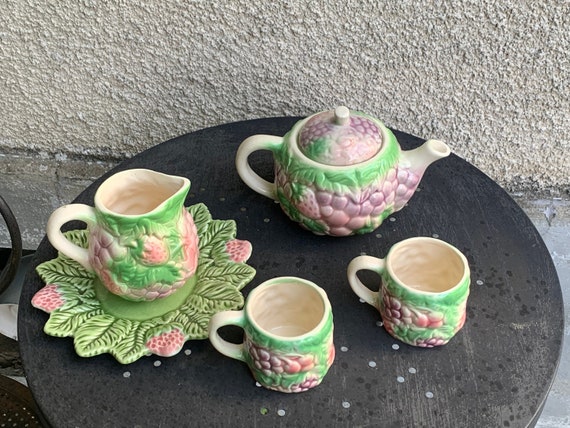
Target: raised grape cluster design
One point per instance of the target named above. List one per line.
(352, 211)
(418, 325)
(323, 141)
(289, 372)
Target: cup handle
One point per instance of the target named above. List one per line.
(219, 320)
(248, 175)
(364, 263)
(61, 216)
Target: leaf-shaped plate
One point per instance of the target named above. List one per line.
(100, 322)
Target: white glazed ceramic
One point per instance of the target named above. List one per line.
(423, 291)
(288, 334)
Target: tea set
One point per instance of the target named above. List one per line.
(148, 273)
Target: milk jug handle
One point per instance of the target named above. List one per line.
(63, 215)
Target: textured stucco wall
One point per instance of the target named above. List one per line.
(112, 78)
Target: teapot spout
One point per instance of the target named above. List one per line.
(412, 166)
(420, 158)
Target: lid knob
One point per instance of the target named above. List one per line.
(340, 137)
(341, 115)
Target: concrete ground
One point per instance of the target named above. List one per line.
(35, 186)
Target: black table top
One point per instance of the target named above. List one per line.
(497, 371)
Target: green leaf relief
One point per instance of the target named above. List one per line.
(100, 333)
(344, 179)
(129, 272)
(316, 148)
(132, 347)
(195, 324)
(66, 323)
(201, 216)
(212, 295)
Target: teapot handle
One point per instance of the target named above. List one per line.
(9, 272)
(61, 216)
(247, 174)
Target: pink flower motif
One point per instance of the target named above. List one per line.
(190, 243)
(238, 250)
(331, 355)
(167, 343)
(155, 251)
(48, 299)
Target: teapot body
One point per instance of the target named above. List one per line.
(341, 200)
(346, 178)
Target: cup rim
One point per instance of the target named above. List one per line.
(280, 280)
(466, 271)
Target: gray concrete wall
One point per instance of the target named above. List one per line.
(108, 79)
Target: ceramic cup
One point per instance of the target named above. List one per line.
(423, 291)
(288, 334)
(142, 242)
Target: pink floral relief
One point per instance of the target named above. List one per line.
(238, 250)
(189, 242)
(155, 251)
(48, 299)
(331, 355)
(167, 343)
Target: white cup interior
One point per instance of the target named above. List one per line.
(287, 309)
(426, 264)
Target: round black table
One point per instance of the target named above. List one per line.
(496, 372)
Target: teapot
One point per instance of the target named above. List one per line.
(339, 172)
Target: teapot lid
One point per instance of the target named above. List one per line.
(340, 137)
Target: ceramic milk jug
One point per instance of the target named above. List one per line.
(143, 243)
(339, 172)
